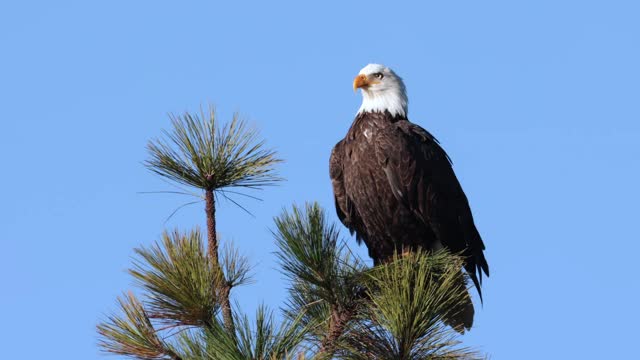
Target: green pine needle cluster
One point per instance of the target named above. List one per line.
(311, 253)
(133, 333)
(262, 339)
(201, 153)
(181, 303)
(236, 267)
(325, 276)
(178, 279)
(409, 299)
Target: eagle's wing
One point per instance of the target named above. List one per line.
(337, 181)
(422, 178)
(345, 208)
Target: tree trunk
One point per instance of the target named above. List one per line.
(337, 323)
(212, 250)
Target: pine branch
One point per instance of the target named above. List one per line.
(236, 267)
(200, 153)
(261, 339)
(409, 300)
(182, 287)
(324, 274)
(266, 340)
(132, 333)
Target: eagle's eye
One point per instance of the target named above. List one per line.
(378, 76)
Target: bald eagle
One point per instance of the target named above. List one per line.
(394, 185)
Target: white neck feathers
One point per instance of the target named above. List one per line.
(393, 100)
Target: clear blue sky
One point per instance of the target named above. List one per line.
(536, 102)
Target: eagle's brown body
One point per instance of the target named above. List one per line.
(395, 188)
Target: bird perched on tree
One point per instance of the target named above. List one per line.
(395, 187)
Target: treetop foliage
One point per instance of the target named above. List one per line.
(338, 307)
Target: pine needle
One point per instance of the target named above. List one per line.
(202, 153)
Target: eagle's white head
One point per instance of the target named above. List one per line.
(382, 90)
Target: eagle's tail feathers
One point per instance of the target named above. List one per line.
(461, 317)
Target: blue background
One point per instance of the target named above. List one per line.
(535, 101)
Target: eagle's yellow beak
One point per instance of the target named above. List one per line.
(360, 81)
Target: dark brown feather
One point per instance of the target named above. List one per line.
(394, 187)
